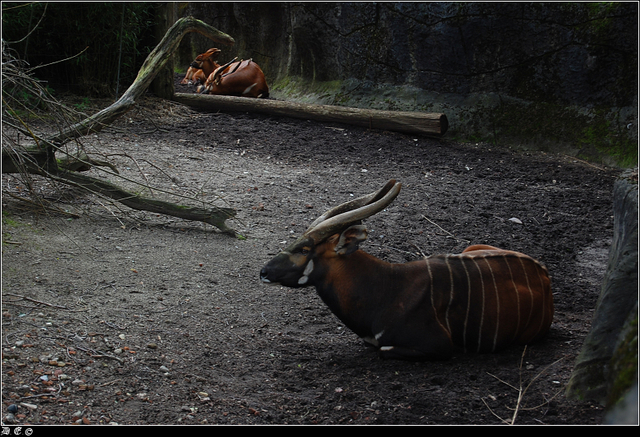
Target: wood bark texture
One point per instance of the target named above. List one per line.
(434, 124)
(42, 160)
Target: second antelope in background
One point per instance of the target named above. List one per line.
(235, 78)
(481, 300)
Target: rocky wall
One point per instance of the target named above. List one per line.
(554, 76)
(606, 369)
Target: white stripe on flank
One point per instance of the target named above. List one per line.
(479, 305)
(495, 287)
(483, 304)
(431, 291)
(451, 291)
(249, 88)
(524, 270)
(466, 317)
(515, 288)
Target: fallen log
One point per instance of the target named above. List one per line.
(398, 121)
(66, 171)
(42, 160)
(214, 216)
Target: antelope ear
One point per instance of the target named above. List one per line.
(350, 239)
(213, 53)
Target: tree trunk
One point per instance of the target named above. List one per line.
(162, 85)
(154, 62)
(407, 122)
(42, 160)
(212, 216)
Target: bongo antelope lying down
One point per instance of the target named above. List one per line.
(481, 300)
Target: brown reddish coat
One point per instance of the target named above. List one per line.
(482, 300)
(243, 78)
(193, 75)
(202, 66)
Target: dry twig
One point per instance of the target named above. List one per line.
(60, 157)
(521, 391)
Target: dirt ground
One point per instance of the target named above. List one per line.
(113, 316)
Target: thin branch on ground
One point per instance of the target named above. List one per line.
(39, 302)
(444, 230)
(60, 156)
(521, 391)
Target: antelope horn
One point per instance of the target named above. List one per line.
(350, 212)
(353, 204)
(219, 70)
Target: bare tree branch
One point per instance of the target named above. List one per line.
(154, 62)
(40, 158)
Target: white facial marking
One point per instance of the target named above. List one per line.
(308, 269)
(305, 275)
(386, 348)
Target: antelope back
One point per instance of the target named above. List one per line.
(487, 298)
(244, 78)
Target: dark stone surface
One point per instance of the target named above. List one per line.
(569, 53)
(618, 303)
(558, 77)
